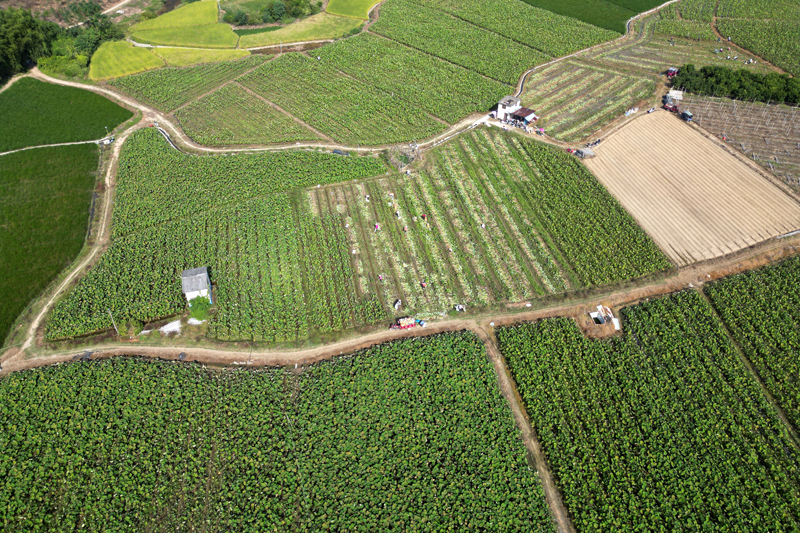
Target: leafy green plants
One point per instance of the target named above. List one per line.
(661, 429)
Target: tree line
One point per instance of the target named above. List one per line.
(26, 39)
(738, 84)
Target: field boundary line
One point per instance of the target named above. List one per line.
(530, 439)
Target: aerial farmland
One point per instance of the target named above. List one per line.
(400, 265)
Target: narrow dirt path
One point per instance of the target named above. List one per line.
(97, 141)
(12, 81)
(284, 112)
(529, 438)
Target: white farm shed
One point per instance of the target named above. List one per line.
(507, 106)
(195, 282)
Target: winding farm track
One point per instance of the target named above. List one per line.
(96, 141)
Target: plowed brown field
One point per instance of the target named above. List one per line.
(693, 198)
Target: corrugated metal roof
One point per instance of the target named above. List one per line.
(194, 279)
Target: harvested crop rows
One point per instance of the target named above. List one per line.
(490, 219)
(575, 100)
(695, 200)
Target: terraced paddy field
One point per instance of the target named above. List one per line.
(692, 197)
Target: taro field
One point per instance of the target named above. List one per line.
(296, 250)
(663, 429)
(768, 134)
(761, 309)
(409, 436)
(233, 116)
(490, 218)
(574, 99)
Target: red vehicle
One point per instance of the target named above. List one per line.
(671, 107)
(570, 150)
(672, 72)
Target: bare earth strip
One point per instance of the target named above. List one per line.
(694, 199)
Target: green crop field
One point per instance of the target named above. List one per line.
(609, 14)
(170, 88)
(208, 36)
(184, 57)
(347, 110)
(455, 40)
(45, 196)
(346, 445)
(762, 310)
(351, 8)
(192, 14)
(33, 113)
(313, 28)
(512, 228)
(443, 89)
(121, 58)
(552, 34)
(663, 429)
(233, 116)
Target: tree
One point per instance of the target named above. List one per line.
(278, 9)
(23, 39)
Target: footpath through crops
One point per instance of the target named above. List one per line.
(412, 436)
(662, 429)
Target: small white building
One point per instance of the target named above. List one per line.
(507, 106)
(195, 282)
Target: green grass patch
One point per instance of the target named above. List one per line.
(351, 8)
(199, 308)
(120, 58)
(608, 14)
(207, 36)
(314, 28)
(33, 113)
(44, 205)
(194, 14)
(256, 31)
(184, 57)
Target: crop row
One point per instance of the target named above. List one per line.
(170, 88)
(232, 116)
(348, 110)
(662, 429)
(777, 41)
(410, 436)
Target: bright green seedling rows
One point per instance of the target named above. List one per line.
(232, 116)
(762, 310)
(661, 430)
(456, 40)
(45, 198)
(552, 34)
(345, 109)
(34, 113)
(313, 28)
(351, 8)
(170, 88)
(442, 89)
(413, 436)
(121, 58)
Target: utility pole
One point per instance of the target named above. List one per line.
(112, 321)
